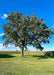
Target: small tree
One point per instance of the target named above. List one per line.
(23, 31)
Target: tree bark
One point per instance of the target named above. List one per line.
(22, 53)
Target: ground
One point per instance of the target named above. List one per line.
(13, 64)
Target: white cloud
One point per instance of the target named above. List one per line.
(1, 45)
(8, 48)
(1, 34)
(31, 48)
(53, 25)
(4, 16)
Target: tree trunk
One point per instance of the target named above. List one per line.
(22, 53)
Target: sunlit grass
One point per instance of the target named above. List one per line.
(13, 64)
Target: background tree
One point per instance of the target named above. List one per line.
(23, 31)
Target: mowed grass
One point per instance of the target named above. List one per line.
(13, 64)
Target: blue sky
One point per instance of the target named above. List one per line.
(41, 8)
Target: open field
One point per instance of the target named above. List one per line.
(31, 64)
(50, 53)
(9, 52)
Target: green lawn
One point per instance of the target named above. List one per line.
(13, 64)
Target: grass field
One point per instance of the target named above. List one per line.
(13, 64)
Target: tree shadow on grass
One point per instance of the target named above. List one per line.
(6, 56)
(43, 56)
(40, 56)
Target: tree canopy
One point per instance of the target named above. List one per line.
(24, 30)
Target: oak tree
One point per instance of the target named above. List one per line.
(24, 30)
